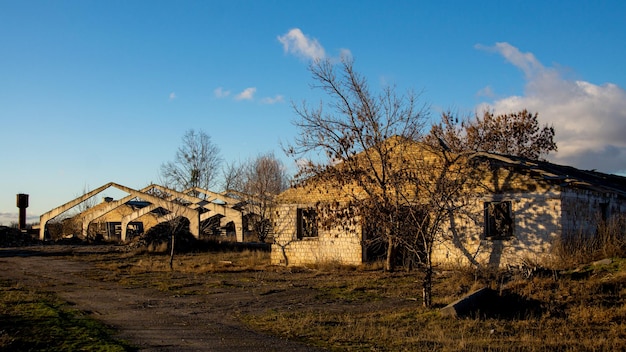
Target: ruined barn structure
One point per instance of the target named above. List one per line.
(140, 210)
(520, 209)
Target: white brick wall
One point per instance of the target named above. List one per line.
(537, 223)
(540, 218)
(336, 245)
(582, 210)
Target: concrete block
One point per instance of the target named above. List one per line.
(469, 303)
(606, 261)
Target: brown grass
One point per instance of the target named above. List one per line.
(579, 248)
(593, 305)
(363, 308)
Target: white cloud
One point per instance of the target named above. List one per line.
(296, 43)
(172, 96)
(274, 100)
(247, 94)
(8, 218)
(589, 119)
(345, 54)
(221, 93)
(486, 92)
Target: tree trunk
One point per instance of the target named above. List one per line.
(427, 287)
(389, 262)
(172, 252)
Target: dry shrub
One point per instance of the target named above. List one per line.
(12, 237)
(612, 237)
(157, 247)
(255, 258)
(453, 284)
(238, 261)
(608, 241)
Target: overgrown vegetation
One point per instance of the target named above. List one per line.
(381, 177)
(580, 307)
(36, 321)
(608, 241)
(542, 315)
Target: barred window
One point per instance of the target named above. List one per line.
(498, 220)
(306, 223)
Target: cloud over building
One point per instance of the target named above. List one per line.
(590, 119)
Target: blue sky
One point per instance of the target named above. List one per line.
(99, 91)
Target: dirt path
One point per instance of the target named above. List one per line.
(149, 319)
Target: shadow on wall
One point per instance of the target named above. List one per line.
(530, 213)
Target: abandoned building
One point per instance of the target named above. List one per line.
(120, 220)
(520, 210)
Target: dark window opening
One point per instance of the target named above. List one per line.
(307, 223)
(604, 211)
(498, 220)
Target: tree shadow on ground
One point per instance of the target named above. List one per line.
(505, 305)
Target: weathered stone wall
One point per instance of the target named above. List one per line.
(337, 245)
(537, 223)
(583, 209)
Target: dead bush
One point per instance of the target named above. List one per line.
(609, 240)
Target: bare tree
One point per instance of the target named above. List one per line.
(196, 163)
(233, 176)
(257, 182)
(515, 133)
(444, 186)
(406, 191)
(354, 135)
(264, 178)
(174, 225)
(453, 179)
(177, 227)
(88, 203)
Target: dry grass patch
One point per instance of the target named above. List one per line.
(357, 308)
(571, 312)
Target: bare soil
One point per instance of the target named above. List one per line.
(148, 318)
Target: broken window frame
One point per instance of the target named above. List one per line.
(499, 220)
(306, 223)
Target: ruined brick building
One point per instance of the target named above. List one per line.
(522, 208)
